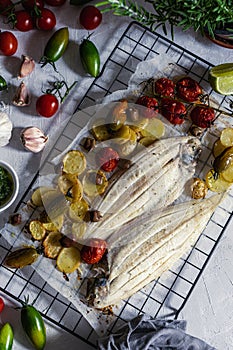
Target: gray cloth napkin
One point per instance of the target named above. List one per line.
(146, 333)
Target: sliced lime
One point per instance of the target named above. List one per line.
(221, 78)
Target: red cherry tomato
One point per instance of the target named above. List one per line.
(188, 89)
(90, 17)
(47, 20)
(93, 251)
(8, 43)
(47, 105)
(24, 21)
(107, 158)
(152, 106)
(55, 2)
(173, 110)
(5, 7)
(2, 304)
(202, 116)
(32, 4)
(164, 87)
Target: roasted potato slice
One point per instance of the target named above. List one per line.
(37, 230)
(216, 183)
(37, 195)
(71, 187)
(68, 259)
(94, 183)
(78, 230)
(52, 245)
(154, 128)
(54, 225)
(218, 148)
(101, 132)
(55, 204)
(74, 162)
(78, 210)
(147, 141)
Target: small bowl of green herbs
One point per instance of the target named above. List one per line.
(9, 185)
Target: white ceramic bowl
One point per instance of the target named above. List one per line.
(15, 191)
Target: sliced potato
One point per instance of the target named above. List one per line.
(37, 230)
(71, 187)
(54, 225)
(54, 203)
(78, 210)
(228, 173)
(38, 193)
(123, 133)
(78, 229)
(154, 128)
(101, 132)
(218, 148)
(226, 137)
(216, 184)
(68, 259)
(52, 245)
(91, 187)
(74, 162)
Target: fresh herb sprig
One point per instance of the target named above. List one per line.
(201, 15)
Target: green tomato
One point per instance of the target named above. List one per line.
(6, 337)
(3, 84)
(90, 57)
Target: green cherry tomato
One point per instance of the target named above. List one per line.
(3, 84)
(33, 326)
(56, 46)
(6, 337)
(90, 57)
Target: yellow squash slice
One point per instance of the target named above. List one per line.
(54, 225)
(68, 259)
(90, 183)
(78, 210)
(218, 148)
(52, 245)
(38, 194)
(71, 187)
(74, 162)
(216, 183)
(78, 230)
(37, 230)
(155, 128)
(226, 137)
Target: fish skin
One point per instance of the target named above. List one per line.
(136, 180)
(164, 248)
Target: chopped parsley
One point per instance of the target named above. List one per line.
(6, 185)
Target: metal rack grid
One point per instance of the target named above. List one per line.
(166, 296)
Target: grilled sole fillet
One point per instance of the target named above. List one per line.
(142, 250)
(156, 179)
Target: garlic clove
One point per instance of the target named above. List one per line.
(27, 66)
(21, 97)
(33, 139)
(6, 127)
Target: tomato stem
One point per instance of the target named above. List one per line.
(56, 89)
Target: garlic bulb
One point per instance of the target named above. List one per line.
(33, 139)
(5, 129)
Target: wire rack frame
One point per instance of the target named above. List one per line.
(167, 296)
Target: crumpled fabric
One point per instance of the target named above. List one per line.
(146, 333)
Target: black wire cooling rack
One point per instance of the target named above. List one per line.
(166, 296)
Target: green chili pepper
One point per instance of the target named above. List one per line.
(3, 84)
(6, 337)
(90, 57)
(33, 325)
(55, 47)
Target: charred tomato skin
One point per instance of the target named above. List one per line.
(173, 110)
(202, 116)
(152, 105)
(93, 251)
(164, 87)
(107, 159)
(188, 89)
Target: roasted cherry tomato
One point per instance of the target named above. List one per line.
(8, 43)
(33, 326)
(2, 304)
(152, 106)
(33, 4)
(188, 89)
(55, 2)
(24, 21)
(6, 6)
(202, 116)
(93, 251)
(107, 159)
(47, 105)
(90, 17)
(90, 57)
(164, 87)
(173, 110)
(46, 20)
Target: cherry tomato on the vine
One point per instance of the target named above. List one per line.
(164, 87)
(31, 4)
(202, 116)
(188, 89)
(2, 304)
(173, 110)
(24, 21)
(93, 251)
(152, 106)
(55, 2)
(90, 17)
(47, 105)
(8, 43)
(6, 7)
(47, 20)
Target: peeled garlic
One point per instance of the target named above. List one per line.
(21, 97)
(33, 139)
(27, 66)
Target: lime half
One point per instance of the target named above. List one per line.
(221, 78)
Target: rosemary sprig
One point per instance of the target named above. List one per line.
(201, 15)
